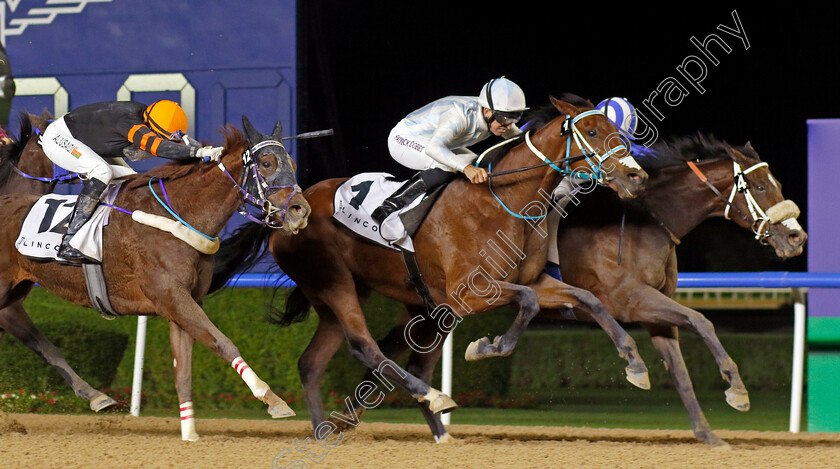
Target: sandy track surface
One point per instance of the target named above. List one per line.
(104, 441)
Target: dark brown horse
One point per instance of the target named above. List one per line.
(334, 268)
(638, 289)
(150, 272)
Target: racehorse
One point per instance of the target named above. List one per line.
(334, 269)
(628, 258)
(32, 171)
(150, 272)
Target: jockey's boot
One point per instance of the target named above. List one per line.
(85, 205)
(400, 198)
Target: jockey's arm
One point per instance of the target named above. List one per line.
(451, 125)
(143, 138)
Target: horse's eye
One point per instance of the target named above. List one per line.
(759, 188)
(592, 133)
(266, 164)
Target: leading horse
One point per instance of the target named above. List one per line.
(625, 254)
(470, 250)
(150, 272)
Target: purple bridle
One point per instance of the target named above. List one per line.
(252, 177)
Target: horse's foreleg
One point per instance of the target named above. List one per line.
(666, 343)
(16, 322)
(557, 295)
(182, 347)
(659, 309)
(363, 347)
(314, 360)
(422, 365)
(502, 293)
(189, 316)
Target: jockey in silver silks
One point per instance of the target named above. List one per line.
(434, 139)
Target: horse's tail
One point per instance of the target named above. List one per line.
(239, 252)
(296, 310)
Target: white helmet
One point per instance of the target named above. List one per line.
(503, 97)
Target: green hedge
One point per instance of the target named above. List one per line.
(102, 352)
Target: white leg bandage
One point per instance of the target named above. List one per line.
(258, 386)
(188, 432)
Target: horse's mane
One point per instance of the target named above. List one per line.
(677, 150)
(234, 139)
(10, 153)
(536, 119)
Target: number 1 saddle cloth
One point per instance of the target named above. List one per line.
(359, 196)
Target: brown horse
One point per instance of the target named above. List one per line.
(334, 268)
(150, 272)
(638, 288)
(28, 158)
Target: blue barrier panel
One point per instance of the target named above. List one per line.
(685, 280)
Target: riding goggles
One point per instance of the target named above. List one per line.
(506, 118)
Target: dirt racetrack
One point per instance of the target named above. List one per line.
(105, 441)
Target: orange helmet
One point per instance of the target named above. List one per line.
(166, 118)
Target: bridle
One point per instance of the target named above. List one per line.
(255, 189)
(593, 158)
(590, 154)
(784, 212)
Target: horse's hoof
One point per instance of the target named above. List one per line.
(640, 379)
(475, 349)
(708, 437)
(446, 438)
(739, 400)
(438, 401)
(101, 402)
(277, 408)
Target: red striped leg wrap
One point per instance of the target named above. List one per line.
(239, 365)
(187, 410)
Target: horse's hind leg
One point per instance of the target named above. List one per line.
(16, 322)
(182, 348)
(665, 340)
(557, 295)
(313, 362)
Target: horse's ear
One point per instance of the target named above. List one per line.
(277, 133)
(250, 131)
(563, 106)
(749, 146)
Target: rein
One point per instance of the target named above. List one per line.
(570, 130)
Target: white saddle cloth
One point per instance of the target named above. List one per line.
(357, 198)
(40, 236)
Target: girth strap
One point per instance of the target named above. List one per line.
(98, 293)
(417, 281)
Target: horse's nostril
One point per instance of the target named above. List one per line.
(795, 238)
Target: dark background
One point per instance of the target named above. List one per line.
(365, 65)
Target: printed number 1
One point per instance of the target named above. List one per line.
(362, 188)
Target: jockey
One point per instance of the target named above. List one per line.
(623, 115)
(433, 139)
(79, 140)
